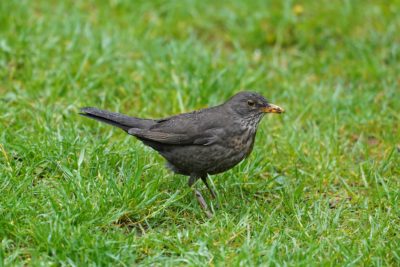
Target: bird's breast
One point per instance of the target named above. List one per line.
(218, 157)
(243, 141)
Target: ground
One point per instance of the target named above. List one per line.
(321, 187)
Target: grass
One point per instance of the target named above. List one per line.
(320, 188)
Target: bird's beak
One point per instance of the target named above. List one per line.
(271, 108)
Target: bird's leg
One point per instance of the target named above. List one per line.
(199, 197)
(203, 203)
(213, 195)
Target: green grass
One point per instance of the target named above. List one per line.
(322, 186)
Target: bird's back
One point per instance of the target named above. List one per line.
(206, 141)
(232, 143)
(192, 122)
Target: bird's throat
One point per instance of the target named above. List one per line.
(251, 122)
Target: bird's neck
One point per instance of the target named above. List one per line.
(250, 123)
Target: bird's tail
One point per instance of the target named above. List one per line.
(116, 119)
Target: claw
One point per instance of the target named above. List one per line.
(203, 203)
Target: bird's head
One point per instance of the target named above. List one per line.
(250, 104)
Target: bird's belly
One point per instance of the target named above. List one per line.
(206, 159)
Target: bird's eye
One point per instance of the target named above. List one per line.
(250, 103)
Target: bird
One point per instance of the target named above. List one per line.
(199, 143)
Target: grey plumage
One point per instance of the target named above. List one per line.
(116, 119)
(199, 143)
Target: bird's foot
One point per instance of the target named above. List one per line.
(212, 193)
(203, 203)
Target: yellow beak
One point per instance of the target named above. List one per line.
(271, 108)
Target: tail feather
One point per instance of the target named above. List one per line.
(116, 119)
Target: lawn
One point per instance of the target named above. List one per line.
(322, 186)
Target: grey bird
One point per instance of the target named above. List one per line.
(199, 143)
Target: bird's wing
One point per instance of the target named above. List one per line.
(165, 138)
(202, 127)
(206, 138)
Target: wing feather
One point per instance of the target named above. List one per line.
(195, 128)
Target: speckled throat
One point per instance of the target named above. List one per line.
(251, 122)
